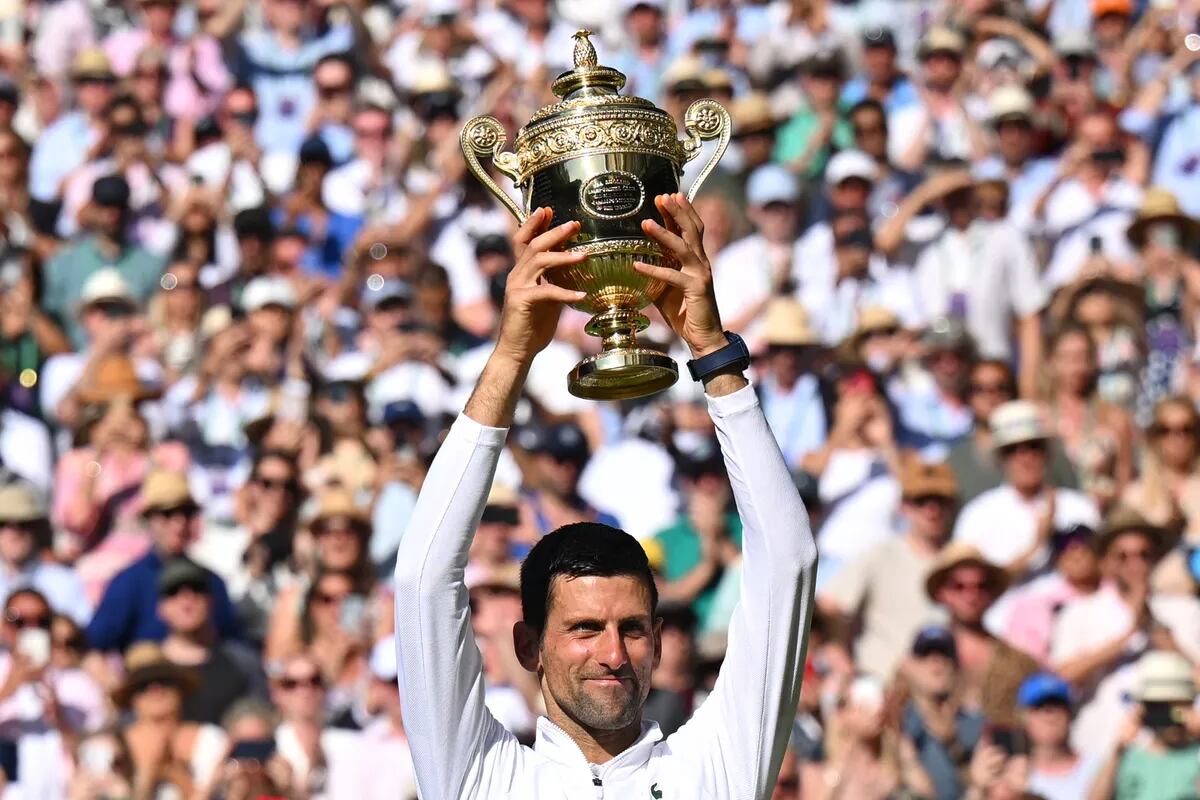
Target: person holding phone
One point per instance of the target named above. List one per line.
(1158, 753)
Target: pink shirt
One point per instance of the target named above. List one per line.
(1032, 612)
(185, 96)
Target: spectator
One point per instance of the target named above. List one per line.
(881, 81)
(1056, 772)
(966, 584)
(226, 671)
(386, 765)
(1098, 636)
(322, 757)
(1025, 506)
(165, 750)
(28, 337)
(24, 539)
(791, 391)
(1157, 749)
(128, 611)
(932, 419)
(807, 140)
(941, 730)
(883, 586)
(1013, 118)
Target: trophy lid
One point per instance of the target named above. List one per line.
(589, 78)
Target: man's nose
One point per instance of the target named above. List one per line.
(611, 650)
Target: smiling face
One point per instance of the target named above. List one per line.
(597, 652)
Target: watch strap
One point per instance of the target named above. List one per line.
(733, 354)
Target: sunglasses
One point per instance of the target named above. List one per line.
(967, 586)
(321, 598)
(22, 622)
(311, 682)
(1035, 447)
(276, 484)
(247, 118)
(179, 511)
(1161, 430)
(114, 311)
(330, 91)
(991, 388)
(929, 499)
(1140, 554)
(869, 130)
(882, 332)
(371, 133)
(23, 527)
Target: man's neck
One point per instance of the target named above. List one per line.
(924, 544)
(108, 246)
(598, 747)
(1029, 494)
(187, 649)
(1051, 757)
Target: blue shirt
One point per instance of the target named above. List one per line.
(128, 611)
(58, 151)
(282, 82)
(58, 584)
(939, 763)
(901, 95)
(324, 256)
(1177, 165)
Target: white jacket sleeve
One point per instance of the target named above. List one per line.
(456, 743)
(738, 737)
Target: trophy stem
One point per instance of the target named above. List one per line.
(621, 370)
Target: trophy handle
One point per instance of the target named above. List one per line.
(704, 120)
(485, 136)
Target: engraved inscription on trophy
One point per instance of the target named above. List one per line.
(612, 195)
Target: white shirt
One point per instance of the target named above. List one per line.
(25, 448)
(1074, 216)
(742, 280)
(631, 479)
(992, 268)
(1092, 622)
(834, 305)
(732, 746)
(1003, 525)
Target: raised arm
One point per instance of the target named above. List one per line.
(455, 742)
(737, 739)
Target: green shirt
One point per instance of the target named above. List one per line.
(680, 546)
(792, 140)
(70, 268)
(1173, 775)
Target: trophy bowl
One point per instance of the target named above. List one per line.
(600, 158)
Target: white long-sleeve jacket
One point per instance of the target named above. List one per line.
(732, 746)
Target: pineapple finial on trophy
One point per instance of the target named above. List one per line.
(585, 52)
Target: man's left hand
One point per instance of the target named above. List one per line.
(689, 304)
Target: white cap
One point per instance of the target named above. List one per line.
(105, 285)
(268, 290)
(771, 183)
(383, 659)
(1015, 422)
(1010, 101)
(1164, 677)
(993, 51)
(1075, 43)
(851, 164)
(349, 367)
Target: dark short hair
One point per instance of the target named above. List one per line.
(575, 551)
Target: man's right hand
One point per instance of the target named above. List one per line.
(531, 305)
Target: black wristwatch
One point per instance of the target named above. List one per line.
(735, 354)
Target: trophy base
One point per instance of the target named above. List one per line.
(622, 373)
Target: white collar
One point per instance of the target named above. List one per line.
(556, 745)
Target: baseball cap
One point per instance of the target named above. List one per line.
(106, 286)
(390, 289)
(111, 191)
(1103, 7)
(313, 150)
(402, 412)
(1009, 102)
(771, 183)
(995, 52)
(940, 39)
(180, 572)
(268, 290)
(850, 164)
(1075, 43)
(878, 36)
(492, 243)
(935, 639)
(1043, 687)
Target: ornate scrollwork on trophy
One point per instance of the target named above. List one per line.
(485, 136)
(705, 120)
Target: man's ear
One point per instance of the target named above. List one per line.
(525, 640)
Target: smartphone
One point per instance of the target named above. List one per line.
(1157, 716)
(8, 760)
(34, 644)
(1095, 245)
(1009, 740)
(259, 750)
(354, 609)
(97, 756)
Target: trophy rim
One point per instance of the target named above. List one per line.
(656, 372)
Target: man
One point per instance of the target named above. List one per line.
(935, 415)
(792, 394)
(1021, 506)
(109, 248)
(228, 671)
(589, 628)
(1011, 117)
(813, 134)
(1175, 160)
(883, 586)
(882, 80)
(368, 185)
(334, 79)
(558, 455)
(849, 180)
(644, 57)
(1098, 637)
(128, 611)
(992, 384)
(985, 274)
(385, 761)
(322, 756)
(1166, 762)
(966, 584)
(942, 731)
(67, 143)
(868, 121)
(24, 537)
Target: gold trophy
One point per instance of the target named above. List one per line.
(600, 158)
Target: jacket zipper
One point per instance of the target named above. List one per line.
(597, 784)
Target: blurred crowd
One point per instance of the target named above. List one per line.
(246, 283)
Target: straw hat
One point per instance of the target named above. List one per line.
(787, 324)
(162, 489)
(338, 503)
(921, 479)
(752, 113)
(1161, 205)
(146, 664)
(1124, 519)
(92, 63)
(114, 377)
(939, 39)
(1015, 422)
(957, 554)
(1129, 296)
(20, 503)
(870, 320)
(1164, 676)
